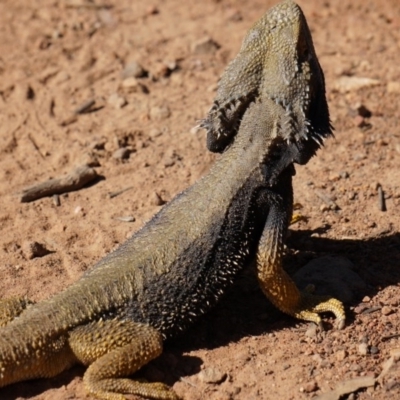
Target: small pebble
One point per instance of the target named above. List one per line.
(341, 355)
(395, 353)
(152, 10)
(205, 46)
(374, 350)
(157, 200)
(309, 387)
(386, 310)
(363, 349)
(56, 200)
(133, 70)
(334, 177)
(311, 332)
(117, 101)
(159, 113)
(363, 111)
(351, 195)
(131, 84)
(344, 174)
(212, 375)
(128, 218)
(324, 207)
(121, 154)
(393, 87)
(155, 133)
(79, 210)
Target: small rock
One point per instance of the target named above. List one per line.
(355, 368)
(56, 200)
(393, 87)
(366, 299)
(212, 375)
(117, 101)
(79, 210)
(363, 349)
(334, 177)
(309, 387)
(121, 154)
(325, 364)
(133, 85)
(161, 71)
(386, 310)
(164, 69)
(374, 350)
(157, 200)
(359, 121)
(341, 355)
(395, 353)
(159, 113)
(155, 133)
(205, 46)
(352, 83)
(32, 249)
(152, 10)
(324, 207)
(128, 218)
(351, 195)
(333, 276)
(133, 70)
(311, 332)
(90, 159)
(344, 174)
(360, 308)
(363, 111)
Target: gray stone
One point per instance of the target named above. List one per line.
(333, 276)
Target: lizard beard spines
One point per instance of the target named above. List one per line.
(223, 120)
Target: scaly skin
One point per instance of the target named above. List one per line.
(270, 112)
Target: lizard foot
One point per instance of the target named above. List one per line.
(311, 306)
(297, 218)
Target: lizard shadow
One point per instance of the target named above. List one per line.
(244, 310)
(35, 387)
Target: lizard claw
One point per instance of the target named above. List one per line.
(311, 306)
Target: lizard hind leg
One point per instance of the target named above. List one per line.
(276, 283)
(114, 349)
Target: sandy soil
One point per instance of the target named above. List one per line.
(55, 56)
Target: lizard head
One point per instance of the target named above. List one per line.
(277, 60)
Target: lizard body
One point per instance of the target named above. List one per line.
(174, 269)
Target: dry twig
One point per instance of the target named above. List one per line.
(75, 180)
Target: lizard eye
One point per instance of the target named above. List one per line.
(303, 51)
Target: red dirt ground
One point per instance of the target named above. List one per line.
(57, 55)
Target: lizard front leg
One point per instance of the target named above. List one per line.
(275, 282)
(115, 349)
